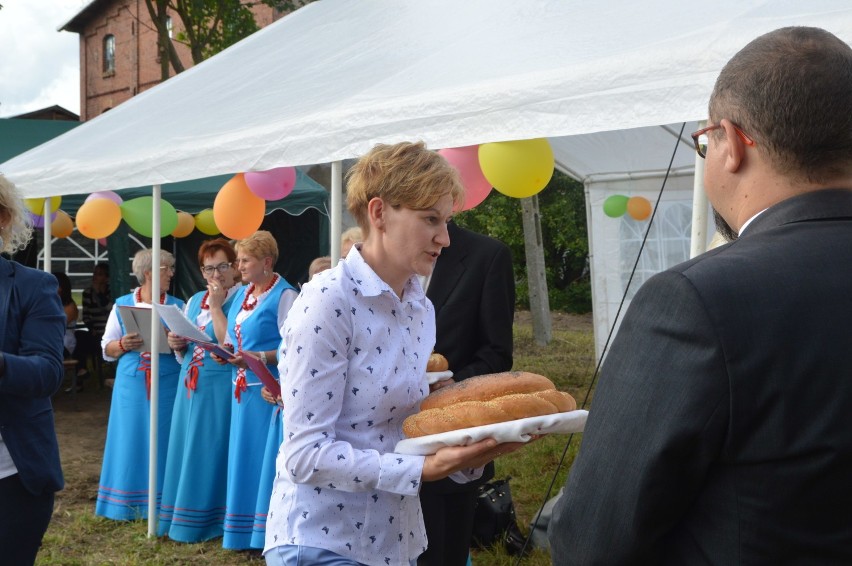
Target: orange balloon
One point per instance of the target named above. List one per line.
(237, 211)
(639, 208)
(62, 225)
(98, 218)
(185, 225)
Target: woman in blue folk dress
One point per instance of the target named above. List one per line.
(255, 321)
(193, 505)
(123, 489)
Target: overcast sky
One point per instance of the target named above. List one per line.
(39, 66)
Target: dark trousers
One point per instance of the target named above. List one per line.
(23, 520)
(449, 524)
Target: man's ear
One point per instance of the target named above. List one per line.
(376, 213)
(734, 147)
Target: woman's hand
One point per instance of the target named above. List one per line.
(216, 296)
(176, 342)
(267, 396)
(219, 360)
(451, 459)
(131, 341)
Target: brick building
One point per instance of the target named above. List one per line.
(119, 57)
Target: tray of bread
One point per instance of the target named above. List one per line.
(509, 407)
(437, 368)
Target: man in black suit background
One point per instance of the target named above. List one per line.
(473, 290)
(720, 430)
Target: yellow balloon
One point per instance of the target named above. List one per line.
(205, 222)
(98, 218)
(185, 225)
(62, 225)
(36, 205)
(517, 168)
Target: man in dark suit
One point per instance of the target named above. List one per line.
(720, 430)
(473, 290)
(32, 324)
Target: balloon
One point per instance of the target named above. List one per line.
(205, 222)
(138, 214)
(185, 225)
(238, 211)
(98, 218)
(273, 184)
(102, 241)
(38, 221)
(62, 226)
(639, 208)
(466, 161)
(517, 168)
(36, 205)
(105, 195)
(615, 206)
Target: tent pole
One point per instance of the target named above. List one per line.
(336, 210)
(48, 236)
(698, 242)
(155, 365)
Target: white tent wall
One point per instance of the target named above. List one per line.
(614, 243)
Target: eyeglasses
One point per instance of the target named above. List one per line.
(169, 268)
(700, 138)
(221, 268)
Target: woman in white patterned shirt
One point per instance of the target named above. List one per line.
(352, 368)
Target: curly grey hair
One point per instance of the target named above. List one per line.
(143, 260)
(15, 225)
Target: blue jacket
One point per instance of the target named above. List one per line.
(32, 324)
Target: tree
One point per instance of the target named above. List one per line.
(562, 206)
(209, 26)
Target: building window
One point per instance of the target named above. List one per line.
(109, 54)
(169, 26)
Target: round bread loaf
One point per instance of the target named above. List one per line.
(437, 362)
(469, 411)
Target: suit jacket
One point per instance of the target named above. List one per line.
(473, 291)
(32, 324)
(720, 429)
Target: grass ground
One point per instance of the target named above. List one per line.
(77, 537)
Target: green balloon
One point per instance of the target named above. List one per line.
(615, 206)
(138, 215)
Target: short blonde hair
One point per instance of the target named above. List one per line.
(16, 233)
(353, 234)
(318, 265)
(261, 244)
(144, 259)
(404, 174)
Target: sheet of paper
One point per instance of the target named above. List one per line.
(140, 320)
(259, 368)
(176, 321)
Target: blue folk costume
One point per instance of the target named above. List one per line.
(193, 504)
(256, 426)
(123, 488)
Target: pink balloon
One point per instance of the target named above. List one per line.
(105, 194)
(102, 242)
(274, 184)
(466, 161)
(38, 221)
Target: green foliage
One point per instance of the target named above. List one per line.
(563, 225)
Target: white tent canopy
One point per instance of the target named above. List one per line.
(330, 80)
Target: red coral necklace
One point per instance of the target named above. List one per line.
(250, 301)
(138, 297)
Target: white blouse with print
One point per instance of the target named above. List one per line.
(352, 368)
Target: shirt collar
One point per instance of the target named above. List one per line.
(749, 221)
(370, 284)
